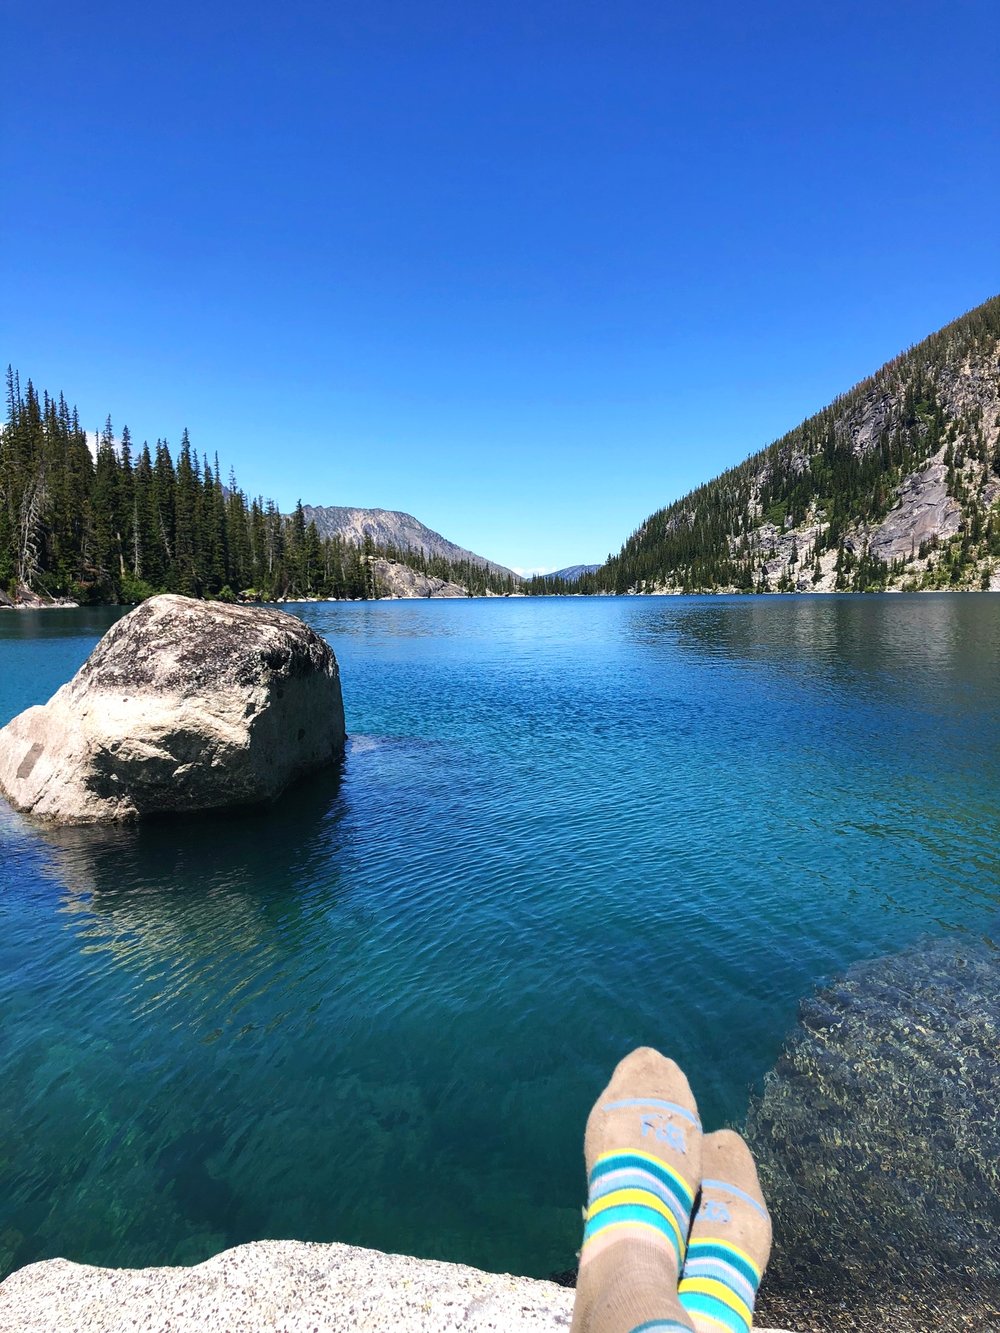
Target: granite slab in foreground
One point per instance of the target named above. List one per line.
(281, 1286)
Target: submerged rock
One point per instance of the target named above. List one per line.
(878, 1140)
(182, 706)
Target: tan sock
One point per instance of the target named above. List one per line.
(643, 1155)
(730, 1239)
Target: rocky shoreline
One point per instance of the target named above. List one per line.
(26, 600)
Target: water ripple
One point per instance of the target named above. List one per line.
(380, 1013)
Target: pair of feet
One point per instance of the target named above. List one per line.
(645, 1265)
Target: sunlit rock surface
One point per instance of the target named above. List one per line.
(182, 706)
(401, 581)
(289, 1286)
(924, 512)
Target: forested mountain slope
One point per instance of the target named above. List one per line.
(894, 485)
(125, 521)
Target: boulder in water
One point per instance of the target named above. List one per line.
(877, 1135)
(182, 706)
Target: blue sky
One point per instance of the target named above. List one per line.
(526, 270)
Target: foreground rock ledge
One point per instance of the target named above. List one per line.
(182, 706)
(281, 1286)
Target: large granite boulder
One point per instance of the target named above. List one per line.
(182, 706)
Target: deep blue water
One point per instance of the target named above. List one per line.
(379, 1012)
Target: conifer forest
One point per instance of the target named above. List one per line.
(102, 519)
(119, 522)
(808, 510)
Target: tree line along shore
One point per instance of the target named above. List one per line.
(896, 484)
(119, 522)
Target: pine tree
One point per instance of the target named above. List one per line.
(183, 573)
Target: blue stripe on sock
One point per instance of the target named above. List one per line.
(660, 1326)
(635, 1213)
(696, 1302)
(719, 1270)
(634, 1162)
(724, 1254)
(653, 1101)
(648, 1184)
(737, 1193)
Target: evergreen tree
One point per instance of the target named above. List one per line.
(184, 571)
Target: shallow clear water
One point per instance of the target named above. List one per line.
(379, 1012)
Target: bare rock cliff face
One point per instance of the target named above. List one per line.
(924, 512)
(895, 485)
(401, 581)
(182, 706)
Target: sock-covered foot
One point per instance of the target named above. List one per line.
(730, 1239)
(643, 1155)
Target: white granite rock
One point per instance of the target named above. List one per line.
(182, 706)
(281, 1287)
(289, 1286)
(402, 581)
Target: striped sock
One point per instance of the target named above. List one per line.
(730, 1240)
(719, 1285)
(635, 1188)
(643, 1154)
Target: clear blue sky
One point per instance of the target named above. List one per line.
(528, 270)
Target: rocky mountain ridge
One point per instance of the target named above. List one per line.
(573, 573)
(393, 528)
(895, 485)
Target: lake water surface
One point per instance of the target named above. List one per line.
(380, 1011)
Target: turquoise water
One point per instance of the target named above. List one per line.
(379, 1012)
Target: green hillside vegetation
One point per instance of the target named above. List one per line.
(832, 481)
(139, 520)
(806, 512)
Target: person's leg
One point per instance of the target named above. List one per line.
(643, 1156)
(730, 1239)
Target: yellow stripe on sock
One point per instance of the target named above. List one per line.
(710, 1286)
(648, 1157)
(641, 1197)
(701, 1319)
(619, 1226)
(727, 1244)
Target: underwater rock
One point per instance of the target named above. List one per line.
(878, 1140)
(182, 706)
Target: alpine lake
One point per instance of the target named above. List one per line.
(379, 1011)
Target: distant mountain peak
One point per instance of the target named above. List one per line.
(572, 573)
(393, 527)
